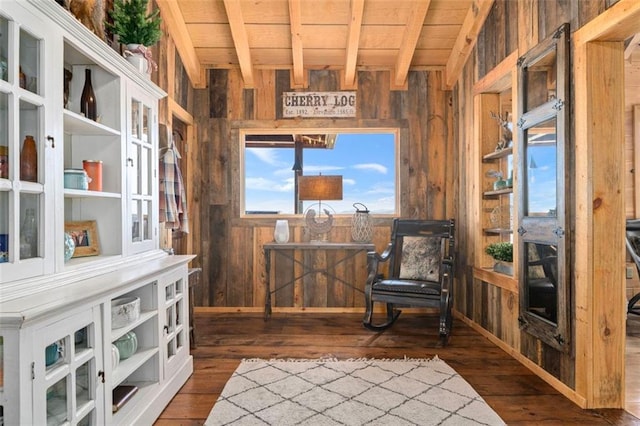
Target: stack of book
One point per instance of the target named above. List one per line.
(121, 395)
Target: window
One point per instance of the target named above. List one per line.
(274, 162)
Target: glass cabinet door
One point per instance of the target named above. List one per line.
(176, 322)
(142, 176)
(68, 370)
(25, 148)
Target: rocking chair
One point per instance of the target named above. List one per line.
(633, 247)
(421, 263)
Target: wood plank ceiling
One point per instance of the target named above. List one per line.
(346, 35)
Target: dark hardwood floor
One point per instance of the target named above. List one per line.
(518, 396)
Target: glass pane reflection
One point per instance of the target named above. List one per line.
(83, 385)
(541, 280)
(135, 119)
(57, 403)
(146, 211)
(135, 221)
(4, 41)
(4, 227)
(540, 171)
(29, 62)
(29, 226)
(4, 135)
(540, 81)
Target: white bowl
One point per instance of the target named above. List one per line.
(124, 311)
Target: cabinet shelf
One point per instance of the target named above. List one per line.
(131, 364)
(75, 123)
(144, 317)
(79, 193)
(145, 389)
(498, 154)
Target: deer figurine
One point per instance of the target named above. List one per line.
(506, 136)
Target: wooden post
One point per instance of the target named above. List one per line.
(599, 231)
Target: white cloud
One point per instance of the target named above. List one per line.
(371, 166)
(263, 184)
(348, 181)
(381, 188)
(312, 169)
(266, 155)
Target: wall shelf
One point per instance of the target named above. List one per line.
(496, 155)
(498, 192)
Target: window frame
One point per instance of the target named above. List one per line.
(239, 131)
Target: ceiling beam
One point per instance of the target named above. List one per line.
(409, 41)
(240, 40)
(172, 17)
(633, 45)
(295, 24)
(353, 42)
(467, 38)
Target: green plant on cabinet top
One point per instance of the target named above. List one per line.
(133, 24)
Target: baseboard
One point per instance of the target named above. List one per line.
(565, 390)
(300, 310)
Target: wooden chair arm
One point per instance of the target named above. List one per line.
(374, 260)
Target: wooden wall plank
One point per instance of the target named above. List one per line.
(527, 25)
(437, 140)
(265, 95)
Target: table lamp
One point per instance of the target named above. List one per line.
(319, 188)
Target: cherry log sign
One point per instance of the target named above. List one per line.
(318, 104)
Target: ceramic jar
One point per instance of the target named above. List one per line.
(94, 171)
(52, 354)
(69, 246)
(76, 179)
(115, 356)
(127, 345)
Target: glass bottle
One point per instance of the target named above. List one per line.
(88, 98)
(29, 236)
(22, 78)
(29, 160)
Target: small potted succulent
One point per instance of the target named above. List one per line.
(500, 183)
(502, 253)
(137, 29)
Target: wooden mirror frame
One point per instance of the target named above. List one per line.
(551, 230)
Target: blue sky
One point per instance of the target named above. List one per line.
(365, 161)
(542, 178)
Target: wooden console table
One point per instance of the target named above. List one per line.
(351, 249)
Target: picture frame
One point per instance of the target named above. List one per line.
(85, 236)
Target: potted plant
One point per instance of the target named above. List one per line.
(500, 183)
(502, 253)
(137, 29)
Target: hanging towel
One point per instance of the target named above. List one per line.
(173, 201)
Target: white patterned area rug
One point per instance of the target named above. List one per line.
(355, 392)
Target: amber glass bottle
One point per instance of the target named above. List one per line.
(29, 160)
(88, 98)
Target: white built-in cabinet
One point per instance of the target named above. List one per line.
(46, 301)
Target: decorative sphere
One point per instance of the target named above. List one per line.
(69, 246)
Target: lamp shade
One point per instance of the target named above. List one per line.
(320, 187)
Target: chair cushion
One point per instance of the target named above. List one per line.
(420, 258)
(407, 286)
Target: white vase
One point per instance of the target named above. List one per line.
(281, 232)
(137, 59)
